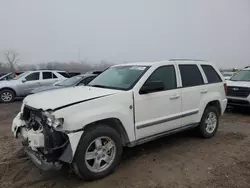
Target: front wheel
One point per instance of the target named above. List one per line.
(209, 122)
(6, 95)
(98, 153)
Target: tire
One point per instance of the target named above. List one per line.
(86, 168)
(6, 96)
(207, 128)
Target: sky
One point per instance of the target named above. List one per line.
(126, 30)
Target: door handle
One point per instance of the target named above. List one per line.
(204, 91)
(174, 97)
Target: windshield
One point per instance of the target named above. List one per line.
(120, 77)
(20, 76)
(71, 81)
(243, 75)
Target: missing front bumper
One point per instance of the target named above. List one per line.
(56, 148)
(40, 161)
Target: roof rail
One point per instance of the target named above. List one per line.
(186, 60)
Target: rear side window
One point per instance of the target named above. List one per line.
(64, 74)
(190, 75)
(47, 75)
(211, 74)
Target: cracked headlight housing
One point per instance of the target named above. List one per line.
(52, 121)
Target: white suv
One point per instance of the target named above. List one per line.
(126, 105)
(238, 93)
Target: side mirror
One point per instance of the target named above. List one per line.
(153, 86)
(24, 80)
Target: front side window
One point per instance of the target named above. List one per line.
(190, 75)
(120, 77)
(32, 76)
(166, 75)
(211, 74)
(243, 75)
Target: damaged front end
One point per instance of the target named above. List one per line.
(46, 145)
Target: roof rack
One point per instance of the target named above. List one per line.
(186, 60)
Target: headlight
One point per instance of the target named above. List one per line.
(52, 121)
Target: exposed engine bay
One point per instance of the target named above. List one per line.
(42, 142)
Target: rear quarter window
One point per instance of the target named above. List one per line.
(211, 74)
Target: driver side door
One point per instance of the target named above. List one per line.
(160, 111)
(30, 82)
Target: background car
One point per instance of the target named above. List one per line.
(227, 75)
(238, 92)
(23, 84)
(78, 80)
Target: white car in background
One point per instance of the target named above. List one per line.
(23, 84)
(227, 75)
(238, 93)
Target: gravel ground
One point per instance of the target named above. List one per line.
(181, 160)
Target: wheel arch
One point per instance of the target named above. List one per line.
(215, 103)
(116, 124)
(8, 88)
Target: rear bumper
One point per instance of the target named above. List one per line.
(224, 105)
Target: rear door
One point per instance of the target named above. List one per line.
(193, 91)
(214, 82)
(48, 78)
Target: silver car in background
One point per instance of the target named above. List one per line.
(79, 80)
(23, 84)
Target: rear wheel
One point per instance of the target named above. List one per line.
(6, 95)
(98, 153)
(209, 122)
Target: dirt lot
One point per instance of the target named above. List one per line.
(181, 160)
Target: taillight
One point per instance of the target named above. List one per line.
(225, 87)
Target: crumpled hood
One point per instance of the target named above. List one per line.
(64, 97)
(238, 83)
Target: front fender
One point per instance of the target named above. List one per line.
(118, 106)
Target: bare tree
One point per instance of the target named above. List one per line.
(12, 59)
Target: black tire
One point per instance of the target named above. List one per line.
(202, 129)
(79, 164)
(8, 92)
